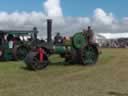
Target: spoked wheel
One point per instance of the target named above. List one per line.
(89, 54)
(33, 62)
(20, 52)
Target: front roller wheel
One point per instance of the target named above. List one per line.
(89, 54)
(33, 62)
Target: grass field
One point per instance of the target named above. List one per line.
(109, 77)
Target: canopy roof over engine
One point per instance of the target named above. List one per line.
(17, 32)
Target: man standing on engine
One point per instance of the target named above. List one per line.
(90, 35)
(58, 39)
(91, 38)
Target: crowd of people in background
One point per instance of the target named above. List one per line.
(115, 43)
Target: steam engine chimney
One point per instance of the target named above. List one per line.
(49, 30)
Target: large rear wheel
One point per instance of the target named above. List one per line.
(89, 54)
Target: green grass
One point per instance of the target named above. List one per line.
(109, 77)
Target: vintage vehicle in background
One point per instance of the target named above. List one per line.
(15, 44)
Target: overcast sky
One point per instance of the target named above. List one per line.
(69, 16)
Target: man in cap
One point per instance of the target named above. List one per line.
(58, 39)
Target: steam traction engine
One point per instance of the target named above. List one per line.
(77, 50)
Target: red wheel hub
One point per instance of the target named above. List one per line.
(41, 54)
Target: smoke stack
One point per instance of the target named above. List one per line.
(49, 30)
